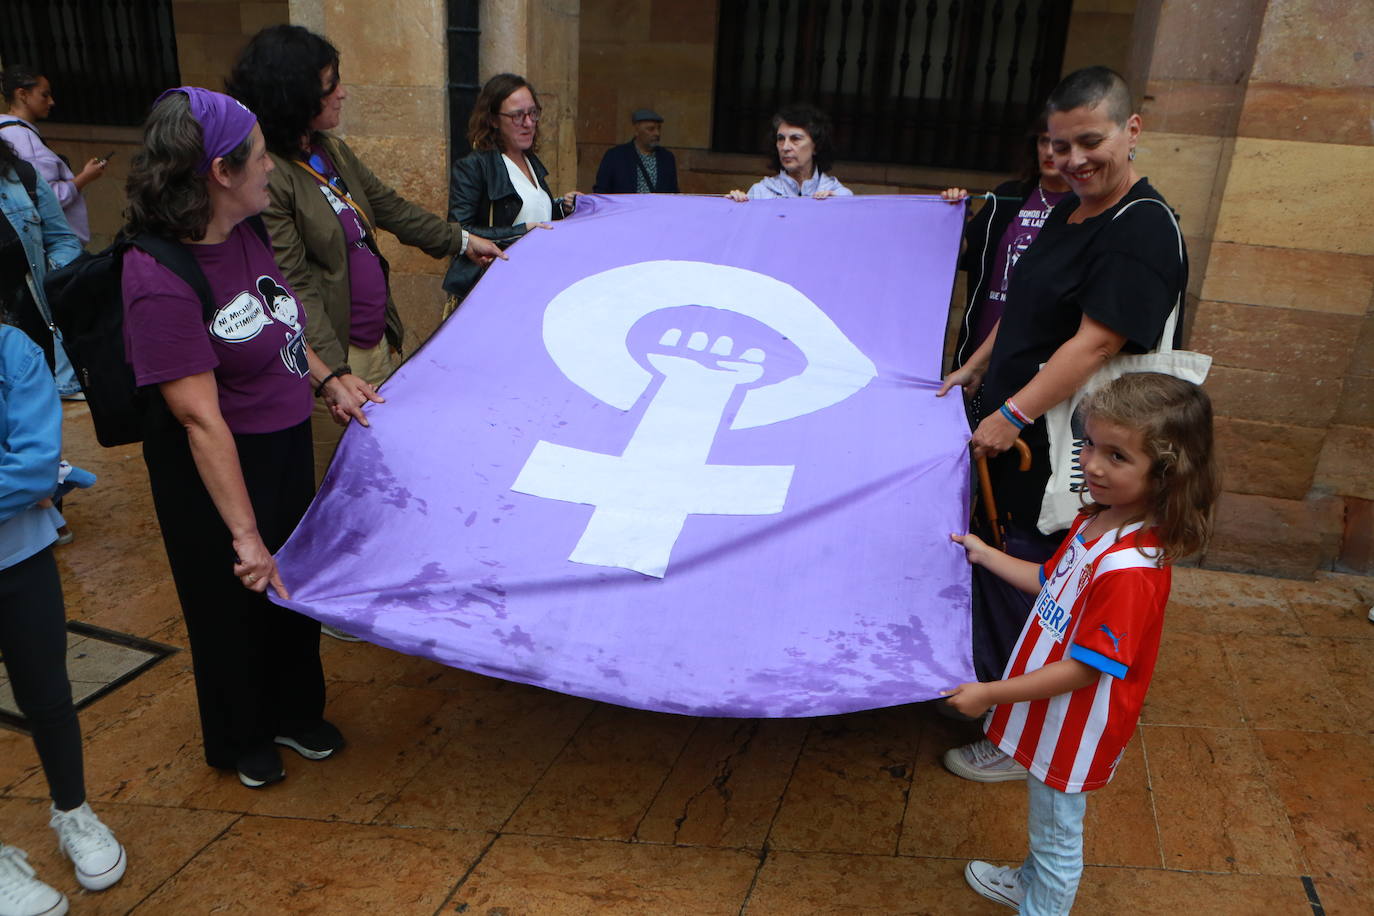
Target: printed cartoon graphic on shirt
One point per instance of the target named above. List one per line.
(344, 211)
(285, 309)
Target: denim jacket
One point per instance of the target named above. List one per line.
(48, 241)
(31, 436)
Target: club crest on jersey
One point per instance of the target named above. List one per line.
(1053, 617)
(1084, 578)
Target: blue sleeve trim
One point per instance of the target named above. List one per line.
(1041, 573)
(1098, 660)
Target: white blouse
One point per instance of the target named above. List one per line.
(535, 205)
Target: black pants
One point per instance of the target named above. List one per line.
(999, 609)
(257, 665)
(33, 640)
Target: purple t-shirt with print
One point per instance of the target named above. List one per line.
(366, 280)
(1017, 237)
(255, 344)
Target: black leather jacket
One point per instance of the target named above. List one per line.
(482, 199)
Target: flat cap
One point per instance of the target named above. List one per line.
(646, 114)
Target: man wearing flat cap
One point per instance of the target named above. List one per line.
(640, 166)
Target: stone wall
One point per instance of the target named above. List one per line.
(209, 35)
(661, 54)
(394, 68)
(1264, 110)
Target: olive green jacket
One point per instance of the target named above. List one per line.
(308, 241)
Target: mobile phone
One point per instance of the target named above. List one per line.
(108, 156)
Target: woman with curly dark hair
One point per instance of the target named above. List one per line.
(326, 207)
(803, 156)
(500, 190)
(229, 460)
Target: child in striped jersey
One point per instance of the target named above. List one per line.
(1071, 695)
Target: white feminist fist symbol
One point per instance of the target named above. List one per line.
(644, 495)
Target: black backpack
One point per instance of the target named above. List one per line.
(88, 307)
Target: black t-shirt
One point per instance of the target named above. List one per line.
(1125, 273)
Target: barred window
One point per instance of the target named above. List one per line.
(106, 59)
(950, 84)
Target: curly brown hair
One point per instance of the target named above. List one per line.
(166, 196)
(1174, 418)
(483, 132)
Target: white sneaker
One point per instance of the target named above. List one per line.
(21, 894)
(99, 859)
(995, 882)
(982, 761)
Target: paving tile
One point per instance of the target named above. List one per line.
(1216, 808)
(1119, 828)
(499, 744)
(1339, 896)
(1283, 683)
(364, 663)
(1326, 783)
(605, 780)
(392, 732)
(1350, 664)
(849, 790)
(18, 760)
(727, 785)
(1109, 890)
(268, 865)
(1329, 607)
(991, 819)
(1193, 684)
(101, 662)
(1227, 604)
(563, 877)
(794, 882)
(158, 841)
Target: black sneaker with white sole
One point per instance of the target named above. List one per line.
(260, 767)
(315, 741)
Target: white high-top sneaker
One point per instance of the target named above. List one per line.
(21, 894)
(93, 849)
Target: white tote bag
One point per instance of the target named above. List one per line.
(1066, 491)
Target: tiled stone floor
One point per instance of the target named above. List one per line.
(1253, 771)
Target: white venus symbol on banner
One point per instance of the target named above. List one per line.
(643, 496)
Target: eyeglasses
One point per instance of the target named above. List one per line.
(336, 181)
(517, 116)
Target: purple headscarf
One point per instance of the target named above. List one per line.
(223, 121)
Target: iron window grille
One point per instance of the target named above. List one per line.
(951, 84)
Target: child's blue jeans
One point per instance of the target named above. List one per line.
(1049, 876)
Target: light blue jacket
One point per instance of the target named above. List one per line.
(31, 439)
(782, 185)
(48, 241)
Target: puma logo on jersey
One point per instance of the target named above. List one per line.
(1116, 640)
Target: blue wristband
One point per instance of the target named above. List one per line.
(1012, 418)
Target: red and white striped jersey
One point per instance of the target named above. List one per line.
(1101, 603)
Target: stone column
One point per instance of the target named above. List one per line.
(393, 60)
(538, 39)
(1265, 151)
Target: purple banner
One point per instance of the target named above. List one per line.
(679, 454)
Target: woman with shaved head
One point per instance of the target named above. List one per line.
(1100, 279)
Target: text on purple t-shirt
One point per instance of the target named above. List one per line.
(255, 343)
(366, 279)
(1016, 238)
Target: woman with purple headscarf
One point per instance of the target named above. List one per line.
(229, 459)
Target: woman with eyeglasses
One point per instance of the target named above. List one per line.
(325, 212)
(500, 190)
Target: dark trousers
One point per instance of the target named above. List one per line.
(257, 665)
(33, 641)
(999, 609)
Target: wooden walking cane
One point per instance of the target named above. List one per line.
(985, 488)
